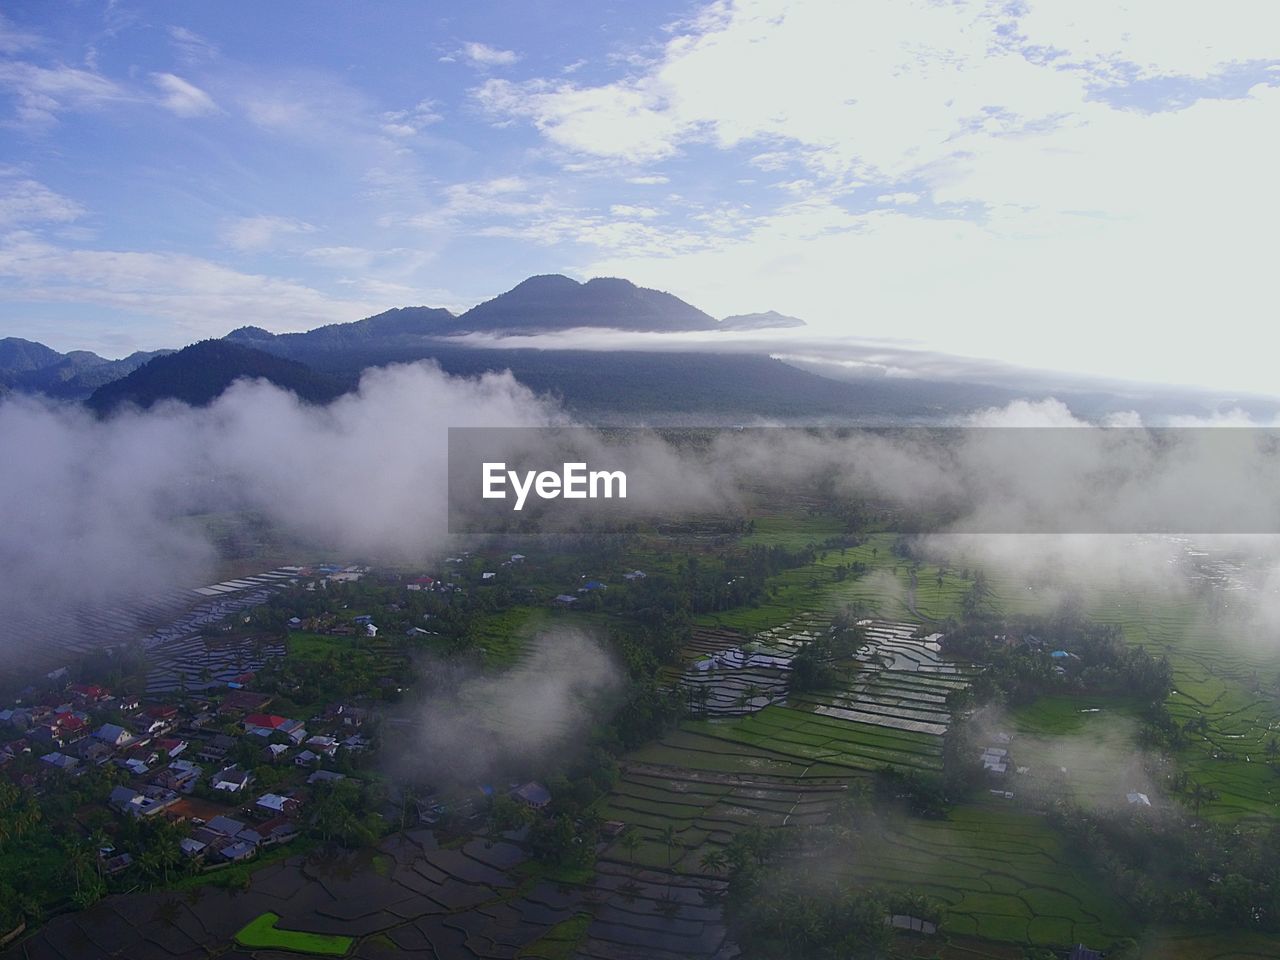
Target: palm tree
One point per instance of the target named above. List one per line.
(1200, 794)
(79, 862)
(630, 841)
(668, 837)
(715, 861)
(168, 854)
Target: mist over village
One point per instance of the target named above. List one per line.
(736, 480)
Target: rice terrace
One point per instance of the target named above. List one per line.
(969, 766)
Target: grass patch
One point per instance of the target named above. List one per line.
(263, 934)
(561, 941)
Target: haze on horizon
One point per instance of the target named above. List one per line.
(1084, 187)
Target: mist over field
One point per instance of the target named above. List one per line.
(99, 504)
(467, 727)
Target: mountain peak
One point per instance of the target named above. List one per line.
(769, 320)
(556, 302)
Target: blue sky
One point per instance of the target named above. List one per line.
(1085, 186)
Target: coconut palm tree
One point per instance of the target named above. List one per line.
(668, 837)
(715, 861)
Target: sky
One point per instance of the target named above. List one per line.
(1086, 186)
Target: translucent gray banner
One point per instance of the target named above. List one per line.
(914, 479)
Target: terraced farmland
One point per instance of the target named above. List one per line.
(1003, 875)
(468, 903)
(705, 809)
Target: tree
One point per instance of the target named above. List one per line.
(668, 837)
(630, 841)
(715, 861)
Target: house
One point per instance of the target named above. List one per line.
(592, 585)
(159, 719)
(231, 780)
(244, 701)
(325, 776)
(295, 623)
(180, 775)
(134, 766)
(171, 746)
(326, 746)
(306, 759)
(93, 751)
(262, 724)
(192, 847)
(517, 558)
(90, 693)
(362, 620)
(73, 726)
(275, 805)
(60, 761)
(349, 716)
(487, 575)
(370, 630)
(237, 850)
(1138, 799)
(215, 751)
(146, 804)
(634, 575)
(225, 826)
(275, 752)
(277, 830)
(117, 864)
(415, 632)
(532, 794)
(266, 725)
(995, 760)
(565, 600)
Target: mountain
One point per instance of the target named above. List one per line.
(199, 373)
(399, 324)
(769, 320)
(555, 302)
(30, 367)
(550, 302)
(22, 356)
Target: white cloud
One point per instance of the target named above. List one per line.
(1157, 38)
(253, 234)
(24, 201)
(483, 56)
(408, 123)
(627, 210)
(41, 93)
(1023, 215)
(191, 47)
(197, 297)
(648, 180)
(183, 98)
(13, 39)
(618, 120)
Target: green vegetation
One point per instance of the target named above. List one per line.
(263, 934)
(561, 941)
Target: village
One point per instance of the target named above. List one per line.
(201, 757)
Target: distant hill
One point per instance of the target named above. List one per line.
(30, 367)
(199, 373)
(555, 302)
(400, 324)
(22, 356)
(769, 320)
